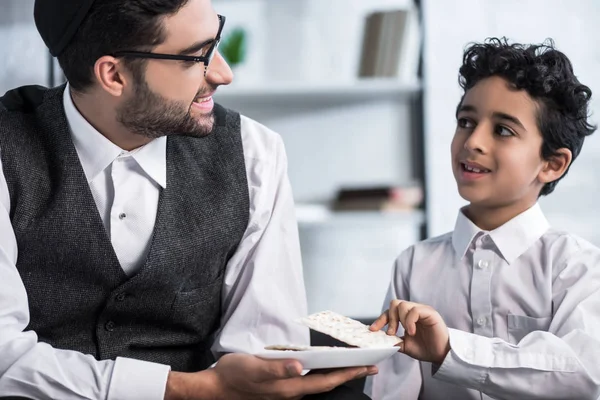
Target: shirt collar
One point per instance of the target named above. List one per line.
(512, 239)
(96, 152)
(153, 160)
(464, 233)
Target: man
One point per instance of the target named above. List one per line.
(143, 228)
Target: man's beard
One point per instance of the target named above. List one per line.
(151, 115)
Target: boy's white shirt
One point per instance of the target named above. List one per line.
(522, 304)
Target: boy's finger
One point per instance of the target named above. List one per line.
(394, 315)
(410, 346)
(410, 323)
(403, 310)
(392, 321)
(380, 322)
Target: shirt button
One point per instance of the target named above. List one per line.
(481, 321)
(483, 264)
(122, 216)
(121, 297)
(110, 326)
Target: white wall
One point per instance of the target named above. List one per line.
(449, 26)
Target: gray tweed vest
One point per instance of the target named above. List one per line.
(79, 297)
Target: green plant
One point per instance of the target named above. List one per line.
(233, 47)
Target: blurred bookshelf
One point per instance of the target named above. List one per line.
(321, 214)
(297, 93)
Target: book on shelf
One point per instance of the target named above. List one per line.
(391, 45)
(381, 198)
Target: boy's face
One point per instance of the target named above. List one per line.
(496, 150)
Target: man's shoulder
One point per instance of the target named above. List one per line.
(260, 143)
(22, 108)
(25, 99)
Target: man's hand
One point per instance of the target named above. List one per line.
(426, 334)
(245, 377)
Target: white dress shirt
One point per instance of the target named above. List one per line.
(263, 288)
(522, 304)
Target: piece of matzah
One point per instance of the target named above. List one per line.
(348, 330)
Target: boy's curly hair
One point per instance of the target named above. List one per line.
(547, 76)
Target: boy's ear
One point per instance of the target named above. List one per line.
(555, 166)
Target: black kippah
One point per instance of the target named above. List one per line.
(57, 21)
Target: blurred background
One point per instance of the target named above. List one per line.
(363, 93)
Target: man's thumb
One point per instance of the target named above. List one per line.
(293, 369)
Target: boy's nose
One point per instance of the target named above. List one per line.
(478, 140)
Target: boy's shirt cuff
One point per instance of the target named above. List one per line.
(466, 362)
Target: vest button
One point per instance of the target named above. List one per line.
(122, 216)
(121, 296)
(110, 326)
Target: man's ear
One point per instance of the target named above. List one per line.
(109, 74)
(555, 166)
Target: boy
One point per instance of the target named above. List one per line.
(504, 306)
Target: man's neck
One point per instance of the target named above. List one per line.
(104, 119)
(489, 218)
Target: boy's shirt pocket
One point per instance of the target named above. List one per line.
(520, 326)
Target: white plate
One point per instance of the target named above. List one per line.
(333, 358)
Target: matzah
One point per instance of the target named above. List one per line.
(348, 330)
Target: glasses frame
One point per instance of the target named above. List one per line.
(197, 59)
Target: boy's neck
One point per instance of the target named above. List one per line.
(489, 218)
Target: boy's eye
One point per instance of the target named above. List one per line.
(503, 131)
(465, 123)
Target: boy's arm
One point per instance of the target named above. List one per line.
(399, 376)
(559, 364)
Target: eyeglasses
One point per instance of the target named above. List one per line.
(206, 59)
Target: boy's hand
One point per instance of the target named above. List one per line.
(426, 337)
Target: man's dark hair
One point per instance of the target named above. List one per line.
(111, 26)
(546, 74)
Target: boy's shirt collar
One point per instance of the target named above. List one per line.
(512, 239)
